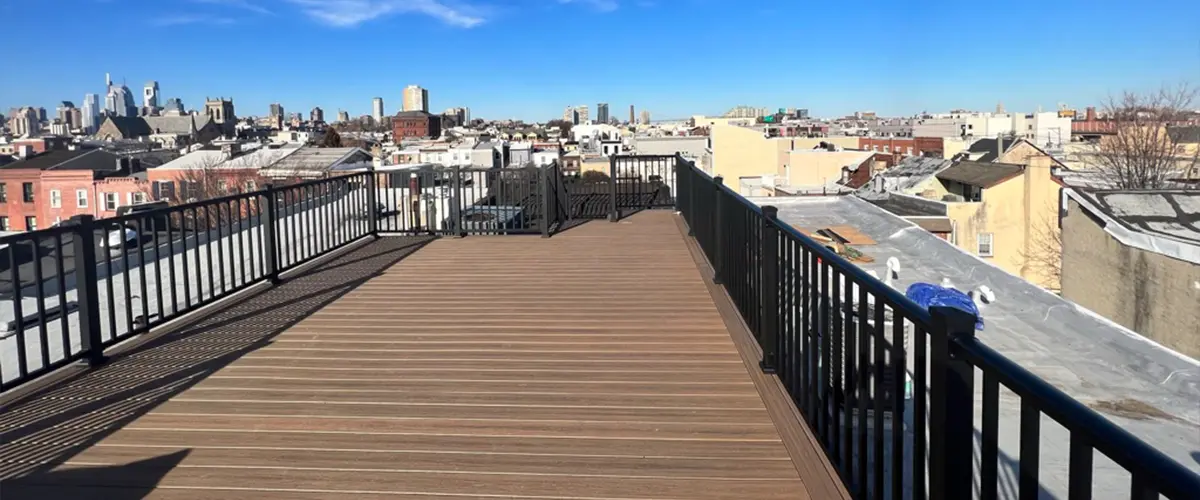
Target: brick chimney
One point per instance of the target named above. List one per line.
(1091, 114)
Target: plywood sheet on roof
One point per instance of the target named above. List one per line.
(850, 235)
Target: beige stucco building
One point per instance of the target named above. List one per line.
(752, 163)
(1131, 257)
(1004, 210)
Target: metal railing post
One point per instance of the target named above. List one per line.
(718, 229)
(769, 294)
(372, 204)
(951, 406)
(613, 215)
(456, 185)
(691, 196)
(270, 245)
(87, 289)
(544, 187)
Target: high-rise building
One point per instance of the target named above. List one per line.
(377, 109)
(569, 114)
(802, 113)
(416, 99)
(581, 113)
(91, 113)
(150, 95)
(174, 107)
(41, 114)
(602, 112)
(631, 122)
(645, 117)
(276, 110)
(25, 122)
(317, 115)
(343, 116)
(64, 108)
(119, 100)
(74, 118)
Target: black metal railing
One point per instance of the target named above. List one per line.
(472, 200)
(85, 285)
(641, 182)
(154, 266)
(887, 386)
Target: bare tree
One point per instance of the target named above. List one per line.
(1144, 152)
(1043, 254)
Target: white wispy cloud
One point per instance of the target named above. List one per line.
(600, 5)
(238, 4)
(350, 13)
(183, 19)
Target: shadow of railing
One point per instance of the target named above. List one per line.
(45, 430)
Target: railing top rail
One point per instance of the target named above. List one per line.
(1166, 474)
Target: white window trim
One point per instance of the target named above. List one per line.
(113, 199)
(81, 198)
(55, 198)
(991, 244)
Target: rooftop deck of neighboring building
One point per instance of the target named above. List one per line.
(598, 364)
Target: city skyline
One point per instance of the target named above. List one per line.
(1160, 48)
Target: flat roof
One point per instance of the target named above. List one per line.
(1090, 358)
(982, 174)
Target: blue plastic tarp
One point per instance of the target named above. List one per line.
(929, 295)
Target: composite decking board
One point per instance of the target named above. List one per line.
(591, 365)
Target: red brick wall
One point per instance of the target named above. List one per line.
(15, 207)
(929, 146)
(896, 145)
(65, 182)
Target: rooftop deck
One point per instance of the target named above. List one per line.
(596, 364)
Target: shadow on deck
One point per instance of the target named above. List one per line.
(594, 364)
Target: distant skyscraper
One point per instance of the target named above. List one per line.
(63, 110)
(317, 115)
(276, 110)
(174, 107)
(377, 109)
(25, 122)
(119, 100)
(645, 117)
(343, 116)
(569, 114)
(41, 113)
(150, 95)
(582, 112)
(602, 112)
(416, 99)
(802, 114)
(91, 112)
(631, 114)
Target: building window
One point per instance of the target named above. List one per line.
(250, 186)
(3, 192)
(222, 186)
(139, 197)
(887, 149)
(55, 198)
(111, 201)
(985, 245)
(31, 223)
(27, 192)
(3, 223)
(81, 198)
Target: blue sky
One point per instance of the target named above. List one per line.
(530, 58)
